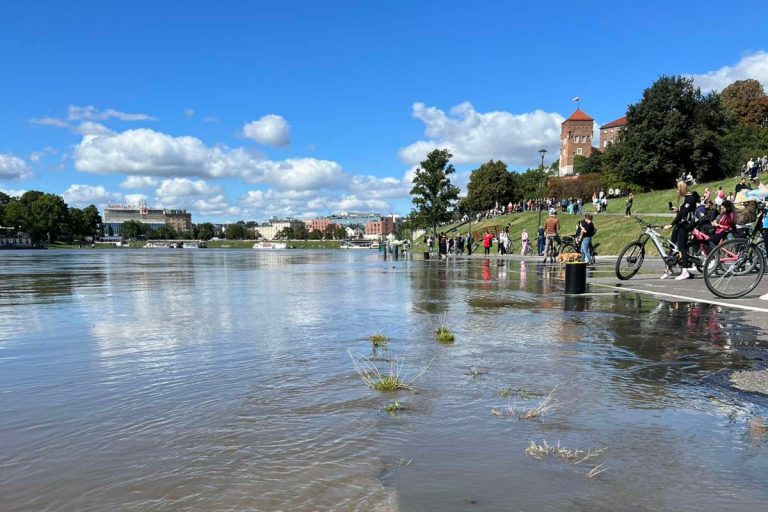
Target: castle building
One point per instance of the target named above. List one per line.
(575, 140)
(610, 131)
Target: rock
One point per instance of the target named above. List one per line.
(751, 381)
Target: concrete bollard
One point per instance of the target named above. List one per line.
(575, 278)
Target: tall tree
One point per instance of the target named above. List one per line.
(205, 231)
(91, 221)
(5, 199)
(236, 231)
(433, 194)
(672, 131)
(746, 102)
(43, 215)
(491, 184)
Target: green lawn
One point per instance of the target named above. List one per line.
(614, 230)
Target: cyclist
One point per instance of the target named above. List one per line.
(551, 230)
(683, 225)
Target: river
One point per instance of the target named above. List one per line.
(147, 380)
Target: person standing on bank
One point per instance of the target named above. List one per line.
(682, 226)
(630, 200)
(540, 240)
(586, 232)
(487, 241)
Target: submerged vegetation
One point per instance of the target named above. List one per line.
(573, 456)
(391, 379)
(394, 407)
(378, 340)
(444, 336)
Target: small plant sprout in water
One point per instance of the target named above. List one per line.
(378, 341)
(444, 336)
(394, 407)
(541, 409)
(391, 379)
(573, 456)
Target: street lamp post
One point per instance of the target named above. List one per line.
(542, 152)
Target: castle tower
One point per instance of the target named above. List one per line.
(575, 140)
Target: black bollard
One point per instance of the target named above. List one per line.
(396, 252)
(575, 278)
(426, 255)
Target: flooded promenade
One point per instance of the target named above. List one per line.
(221, 380)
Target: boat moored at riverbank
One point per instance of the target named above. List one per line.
(270, 245)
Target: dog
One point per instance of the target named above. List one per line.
(566, 257)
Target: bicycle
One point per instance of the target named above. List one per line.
(527, 248)
(632, 256)
(736, 266)
(553, 249)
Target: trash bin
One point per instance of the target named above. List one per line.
(426, 255)
(575, 277)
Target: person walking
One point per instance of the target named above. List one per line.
(524, 242)
(468, 243)
(503, 241)
(540, 240)
(586, 232)
(630, 200)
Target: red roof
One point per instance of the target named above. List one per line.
(622, 121)
(579, 115)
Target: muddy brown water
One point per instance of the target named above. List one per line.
(220, 380)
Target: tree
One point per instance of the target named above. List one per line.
(236, 231)
(315, 234)
(672, 131)
(433, 194)
(329, 231)
(746, 102)
(43, 215)
(339, 232)
(75, 225)
(5, 199)
(205, 231)
(491, 184)
(91, 221)
(132, 230)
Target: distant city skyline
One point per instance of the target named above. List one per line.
(305, 109)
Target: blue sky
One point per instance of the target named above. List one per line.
(244, 110)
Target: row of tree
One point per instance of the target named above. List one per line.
(673, 130)
(46, 217)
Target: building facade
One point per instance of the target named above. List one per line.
(273, 228)
(610, 131)
(115, 215)
(318, 224)
(576, 134)
(381, 227)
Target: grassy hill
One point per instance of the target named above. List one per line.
(614, 230)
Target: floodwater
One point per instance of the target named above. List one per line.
(221, 380)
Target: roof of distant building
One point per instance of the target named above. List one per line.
(579, 115)
(622, 121)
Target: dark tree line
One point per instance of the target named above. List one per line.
(46, 217)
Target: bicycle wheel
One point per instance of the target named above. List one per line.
(734, 268)
(630, 260)
(568, 247)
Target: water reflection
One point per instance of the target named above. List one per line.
(219, 380)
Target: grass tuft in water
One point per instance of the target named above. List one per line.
(444, 336)
(378, 340)
(394, 407)
(571, 455)
(391, 379)
(542, 408)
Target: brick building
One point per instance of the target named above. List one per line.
(609, 131)
(382, 227)
(318, 224)
(575, 140)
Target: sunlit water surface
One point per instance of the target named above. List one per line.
(221, 380)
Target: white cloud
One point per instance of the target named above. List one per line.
(270, 130)
(297, 173)
(11, 192)
(91, 128)
(13, 167)
(91, 113)
(37, 156)
(210, 119)
(193, 194)
(177, 187)
(49, 121)
(475, 137)
(88, 194)
(135, 199)
(138, 182)
(189, 113)
(145, 152)
(750, 66)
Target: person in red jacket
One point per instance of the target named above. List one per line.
(487, 242)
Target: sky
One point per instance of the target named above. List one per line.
(242, 110)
